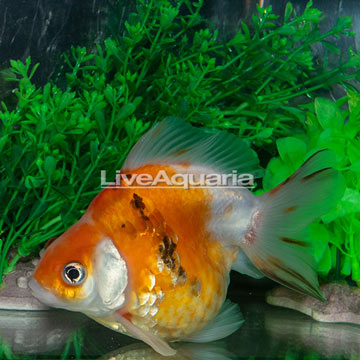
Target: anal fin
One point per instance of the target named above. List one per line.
(243, 265)
(227, 321)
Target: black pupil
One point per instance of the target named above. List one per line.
(72, 273)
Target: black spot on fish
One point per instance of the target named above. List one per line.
(138, 203)
(181, 271)
(308, 177)
(167, 250)
(318, 152)
(182, 277)
(277, 263)
(294, 242)
(290, 209)
(123, 225)
(277, 188)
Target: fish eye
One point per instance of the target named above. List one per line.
(74, 273)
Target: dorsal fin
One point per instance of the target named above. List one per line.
(173, 141)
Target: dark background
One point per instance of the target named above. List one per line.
(44, 29)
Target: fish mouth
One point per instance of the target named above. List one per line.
(45, 296)
(92, 306)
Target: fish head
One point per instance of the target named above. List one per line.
(82, 270)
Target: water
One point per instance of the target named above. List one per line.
(268, 331)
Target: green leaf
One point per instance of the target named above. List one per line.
(49, 165)
(68, 217)
(276, 172)
(343, 23)
(292, 151)
(288, 11)
(109, 95)
(94, 147)
(355, 270)
(239, 38)
(265, 133)
(33, 182)
(3, 141)
(125, 111)
(353, 151)
(354, 103)
(100, 120)
(320, 238)
(353, 61)
(287, 30)
(349, 204)
(245, 29)
(335, 142)
(38, 209)
(65, 100)
(167, 16)
(58, 139)
(331, 47)
(130, 128)
(3, 189)
(328, 114)
(312, 15)
(325, 263)
(346, 265)
(355, 167)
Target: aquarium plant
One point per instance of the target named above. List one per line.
(169, 61)
(336, 126)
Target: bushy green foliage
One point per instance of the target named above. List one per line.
(170, 62)
(336, 237)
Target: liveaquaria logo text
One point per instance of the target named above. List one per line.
(183, 180)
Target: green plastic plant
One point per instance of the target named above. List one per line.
(336, 237)
(52, 148)
(5, 350)
(58, 137)
(76, 340)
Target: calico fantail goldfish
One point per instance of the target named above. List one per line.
(154, 263)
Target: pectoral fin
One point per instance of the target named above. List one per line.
(117, 322)
(158, 344)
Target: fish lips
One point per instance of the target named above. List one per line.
(45, 296)
(91, 306)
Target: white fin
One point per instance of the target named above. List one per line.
(243, 265)
(158, 344)
(172, 141)
(275, 241)
(226, 322)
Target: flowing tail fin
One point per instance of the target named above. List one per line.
(276, 243)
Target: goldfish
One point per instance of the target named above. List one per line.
(153, 262)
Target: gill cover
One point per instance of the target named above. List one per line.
(111, 274)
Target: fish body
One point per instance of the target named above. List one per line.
(154, 263)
